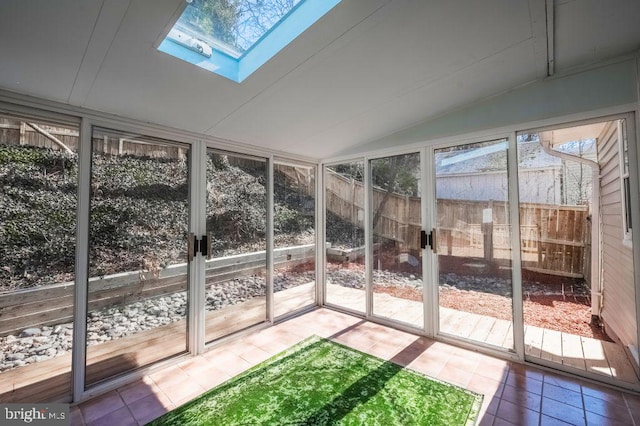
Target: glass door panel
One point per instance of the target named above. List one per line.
(396, 224)
(294, 257)
(38, 203)
(577, 257)
(473, 237)
(236, 229)
(344, 222)
(138, 276)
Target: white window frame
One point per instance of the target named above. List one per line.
(625, 181)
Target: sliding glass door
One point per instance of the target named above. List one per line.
(576, 248)
(396, 222)
(473, 243)
(344, 230)
(137, 300)
(470, 246)
(294, 255)
(236, 223)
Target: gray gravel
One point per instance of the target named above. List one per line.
(37, 344)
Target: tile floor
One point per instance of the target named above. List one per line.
(513, 393)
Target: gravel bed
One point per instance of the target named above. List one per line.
(41, 343)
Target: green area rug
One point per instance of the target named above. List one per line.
(319, 382)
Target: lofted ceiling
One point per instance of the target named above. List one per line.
(367, 69)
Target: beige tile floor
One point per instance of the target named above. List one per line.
(513, 393)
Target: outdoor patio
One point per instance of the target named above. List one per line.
(579, 353)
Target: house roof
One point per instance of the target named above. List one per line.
(366, 69)
(493, 158)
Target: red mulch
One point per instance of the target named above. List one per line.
(569, 314)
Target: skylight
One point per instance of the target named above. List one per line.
(234, 38)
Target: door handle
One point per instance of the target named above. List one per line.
(201, 246)
(429, 240)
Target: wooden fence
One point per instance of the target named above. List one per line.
(555, 238)
(53, 304)
(16, 132)
(302, 177)
(344, 197)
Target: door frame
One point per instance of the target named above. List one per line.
(516, 267)
(199, 263)
(429, 259)
(633, 121)
(368, 231)
(80, 390)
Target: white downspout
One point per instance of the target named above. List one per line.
(596, 282)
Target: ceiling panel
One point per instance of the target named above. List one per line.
(588, 31)
(42, 43)
(401, 53)
(140, 82)
(509, 68)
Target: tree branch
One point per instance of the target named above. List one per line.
(49, 136)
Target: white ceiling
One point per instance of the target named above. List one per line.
(367, 69)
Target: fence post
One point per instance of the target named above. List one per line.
(487, 232)
(22, 132)
(354, 206)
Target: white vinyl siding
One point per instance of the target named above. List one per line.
(618, 313)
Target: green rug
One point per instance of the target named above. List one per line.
(319, 382)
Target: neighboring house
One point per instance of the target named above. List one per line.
(481, 174)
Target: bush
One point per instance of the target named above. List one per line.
(139, 213)
(236, 204)
(37, 216)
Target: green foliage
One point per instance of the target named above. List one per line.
(37, 215)
(139, 212)
(138, 215)
(288, 220)
(350, 170)
(236, 203)
(215, 17)
(294, 210)
(17, 155)
(397, 174)
(38, 160)
(342, 233)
